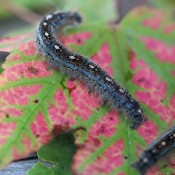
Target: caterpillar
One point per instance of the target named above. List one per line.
(78, 66)
(155, 151)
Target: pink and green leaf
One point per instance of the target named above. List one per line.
(37, 103)
(11, 43)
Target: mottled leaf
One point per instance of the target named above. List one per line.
(149, 34)
(37, 103)
(11, 43)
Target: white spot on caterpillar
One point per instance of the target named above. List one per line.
(108, 79)
(121, 90)
(154, 150)
(56, 47)
(46, 34)
(91, 66)
(140, 111)
(163, 143)
(45, 24)
(48, 17)
(72, 57)
(145, 160)
(174, 135)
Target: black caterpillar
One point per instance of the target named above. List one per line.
(78, 66)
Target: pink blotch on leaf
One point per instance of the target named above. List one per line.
(77, 38)
(26, 141)
(84, 151)
(149, 131)
(58, 112)
(71, 84)
(106, 126)
(155, 90)
(169, 29)
(15, 57)
(154, 170)
(16, 154)
(34, 69)
(40, 129)
(145, 77)
(162, 51)
(171, 163)
(155, 20)
(6, 130)
(12, 42)
(173, 73)
(103, 58)
(60, 98)
(8, 40)
(173, 101)
(19, 95)
(112, 157)
(28, 48)
(83, 108)
(105, 163)
(121, 174)
(9, 112)
(14, 112)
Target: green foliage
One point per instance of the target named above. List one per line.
(39, 168)
(59, 152)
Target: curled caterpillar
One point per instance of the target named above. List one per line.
(78, 66)
(158, 149)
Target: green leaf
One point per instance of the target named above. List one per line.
(39, 168)
(59, 152)
(35, 101)
(13, 42)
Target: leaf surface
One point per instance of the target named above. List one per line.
(37, 103)
(60, 160)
